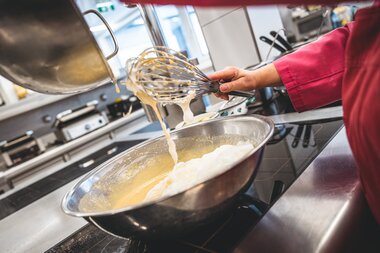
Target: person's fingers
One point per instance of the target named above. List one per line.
(240, 84)
(224, 96)
(229, 73)
(221, 96)
(218, 95)
(247, 82)
(224, 87)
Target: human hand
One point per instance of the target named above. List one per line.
(233, 78)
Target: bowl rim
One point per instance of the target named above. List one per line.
(66, 198)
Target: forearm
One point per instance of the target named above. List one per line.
(267, 76)
(312, 75)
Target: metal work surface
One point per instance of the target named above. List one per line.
(329, 113)
(38, 226)
(318, 212)
(283, 161)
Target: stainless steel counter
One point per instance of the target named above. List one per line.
(42, 224)
(39, 226)
(316, 115)
(320, 212)
(316, 214)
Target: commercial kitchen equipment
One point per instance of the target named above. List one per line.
(123, 106)
(283, 180)
(283, 203)
(311, 25)
(21, 149)
(72, 124)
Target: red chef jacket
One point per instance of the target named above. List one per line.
(344, 64)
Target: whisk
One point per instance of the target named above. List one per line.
(169, 77)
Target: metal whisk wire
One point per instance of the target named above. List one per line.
(168, 76)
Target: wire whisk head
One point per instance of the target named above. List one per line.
(166, 75)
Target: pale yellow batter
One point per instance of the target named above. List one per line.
(132, 186)
(163, 175)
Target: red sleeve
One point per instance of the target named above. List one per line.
(313, 74)
(231, 2)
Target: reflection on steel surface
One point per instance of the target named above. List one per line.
(183, 212)
(319, 211)
(46, 46)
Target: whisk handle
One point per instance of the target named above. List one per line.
(239, 93)
(213, 86)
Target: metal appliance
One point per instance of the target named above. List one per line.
(123, 105)
(21, 149)
(311, 25)
(183, 212)
(72, 124)
(47, 46)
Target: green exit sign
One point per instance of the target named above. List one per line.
(105, 6)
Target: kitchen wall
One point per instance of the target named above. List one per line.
(264, 19)
(229, 36)
(232, 34)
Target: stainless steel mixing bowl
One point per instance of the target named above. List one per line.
(183, 212)
(47, 46)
